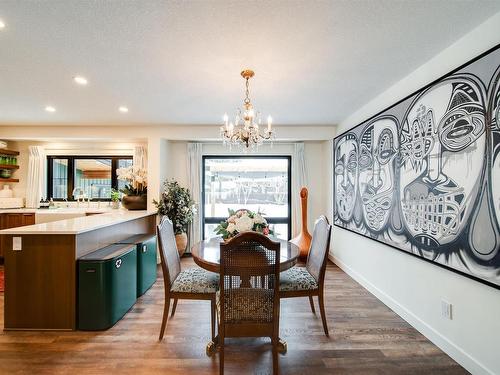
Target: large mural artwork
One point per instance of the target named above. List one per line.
(424, 175)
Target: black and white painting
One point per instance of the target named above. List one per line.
(424, 175)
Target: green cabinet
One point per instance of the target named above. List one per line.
(107, 284)
(146, 260)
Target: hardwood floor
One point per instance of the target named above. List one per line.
(366, 337)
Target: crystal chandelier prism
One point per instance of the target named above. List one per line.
(245, 130)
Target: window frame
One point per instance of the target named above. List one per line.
(71, 173)
(270, 220)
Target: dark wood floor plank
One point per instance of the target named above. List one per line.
(366, 337)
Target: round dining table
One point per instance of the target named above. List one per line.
(206, 254)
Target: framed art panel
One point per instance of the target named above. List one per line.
(423, 175)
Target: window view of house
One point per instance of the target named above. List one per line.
(93, 177)
(89, 177)
(259, 184)
(59, 178)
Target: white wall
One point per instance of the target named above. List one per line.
(410, 286)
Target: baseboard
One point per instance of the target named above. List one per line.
(450, 348)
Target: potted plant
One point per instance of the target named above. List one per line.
(135, 191)
(176, 203)
(115, 199)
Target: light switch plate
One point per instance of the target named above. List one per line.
(17, 244)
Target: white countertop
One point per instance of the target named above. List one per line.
(80, 224)
(60, 210)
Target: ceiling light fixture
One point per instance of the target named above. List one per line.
(49, 108)
(80, 80)
(123, 109)
(2, 25)
(245, 129)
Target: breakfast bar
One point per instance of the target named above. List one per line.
(41, 263)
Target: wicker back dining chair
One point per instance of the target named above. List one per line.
(309, 281)
(248, 297)
(192, 283)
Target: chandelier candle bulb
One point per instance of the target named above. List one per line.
(269, 123)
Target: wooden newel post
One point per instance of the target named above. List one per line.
(303, 240)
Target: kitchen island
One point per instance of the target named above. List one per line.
(19, 217)
(41, 262)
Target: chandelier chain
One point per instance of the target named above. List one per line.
(247, 92)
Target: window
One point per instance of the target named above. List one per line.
(72, 177)
(259, 183)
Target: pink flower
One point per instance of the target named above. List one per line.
(265, 231)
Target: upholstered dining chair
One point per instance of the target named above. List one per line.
(192, 283)
(309, 281)
(248, 296)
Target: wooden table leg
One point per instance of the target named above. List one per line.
(282, 346)
(212, 346)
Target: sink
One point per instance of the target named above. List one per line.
(63, 213)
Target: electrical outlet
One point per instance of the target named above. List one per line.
(446, 309)
(17, 244)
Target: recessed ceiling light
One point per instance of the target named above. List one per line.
(49, 108)
(123, 109)
(80, 80)
(2, 25)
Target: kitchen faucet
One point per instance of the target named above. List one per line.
(79, 196)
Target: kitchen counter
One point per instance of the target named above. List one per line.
(41, 282)
(46, 215)
(79, 224)
(59, 210)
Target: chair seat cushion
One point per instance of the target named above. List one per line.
(195, 280)
(297, 278)
(247, 305)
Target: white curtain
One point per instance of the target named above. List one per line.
(194, 166)
(299, 180)
(36, 176)
(140, 158)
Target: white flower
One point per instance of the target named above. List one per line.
(231, 228)
(134, 175)
(244, 224)
(258, 219)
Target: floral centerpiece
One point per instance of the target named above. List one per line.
(243, 221)
(176, 203)
(135, 191)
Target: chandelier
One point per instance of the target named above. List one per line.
(245, 129)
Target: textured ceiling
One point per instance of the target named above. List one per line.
(178, 62)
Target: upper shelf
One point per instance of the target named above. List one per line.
(9, 166)
(4, 151)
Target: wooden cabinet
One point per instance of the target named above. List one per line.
(13, 220)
